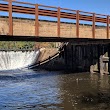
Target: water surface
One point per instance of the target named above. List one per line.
(46, 90)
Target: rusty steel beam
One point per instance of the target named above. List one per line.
(45, 6)
(27, 3)
(68, 9)
(77, 23)
(4, 9)
(108, 27)
(19, 2)
(4, 5)
(58, 22)
(50, 15)
(45, 12)
(36, 20)
(85, 12)
(103, 20)
(10, 18)
(68, 17)
(101, 15)
(23, 11)
(24, 8)
(93, 25)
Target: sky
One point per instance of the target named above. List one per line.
(97, 6)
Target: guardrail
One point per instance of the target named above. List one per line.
(51, 11)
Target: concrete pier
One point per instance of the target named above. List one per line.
(104, 65)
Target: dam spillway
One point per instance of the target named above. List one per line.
(10, 60)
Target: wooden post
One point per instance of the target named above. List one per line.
(72, 63)
(10, 17)
(58, 22)
(36, 20)
(93, 26)
(91, 47)
(77, 23)
(99, 53)
(108, 27)
(109, 58)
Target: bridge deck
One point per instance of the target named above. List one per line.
(56, 12)
(75, 41)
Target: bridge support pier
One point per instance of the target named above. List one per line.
(91, 58)
(109, 58)
(104, 65)
(103, 61)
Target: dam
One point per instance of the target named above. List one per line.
(15, 60)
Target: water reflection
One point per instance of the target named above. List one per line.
(86, 91)
(44, 90)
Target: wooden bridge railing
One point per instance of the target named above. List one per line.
(51, 11)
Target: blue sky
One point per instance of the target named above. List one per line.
(97, 6)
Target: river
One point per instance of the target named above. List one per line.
(46, 90)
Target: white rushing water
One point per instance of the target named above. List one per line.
(15, 60)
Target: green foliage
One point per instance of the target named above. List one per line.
(16, 45)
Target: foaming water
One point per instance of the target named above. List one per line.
(10, 60)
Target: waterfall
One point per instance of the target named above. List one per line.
(10, 60)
